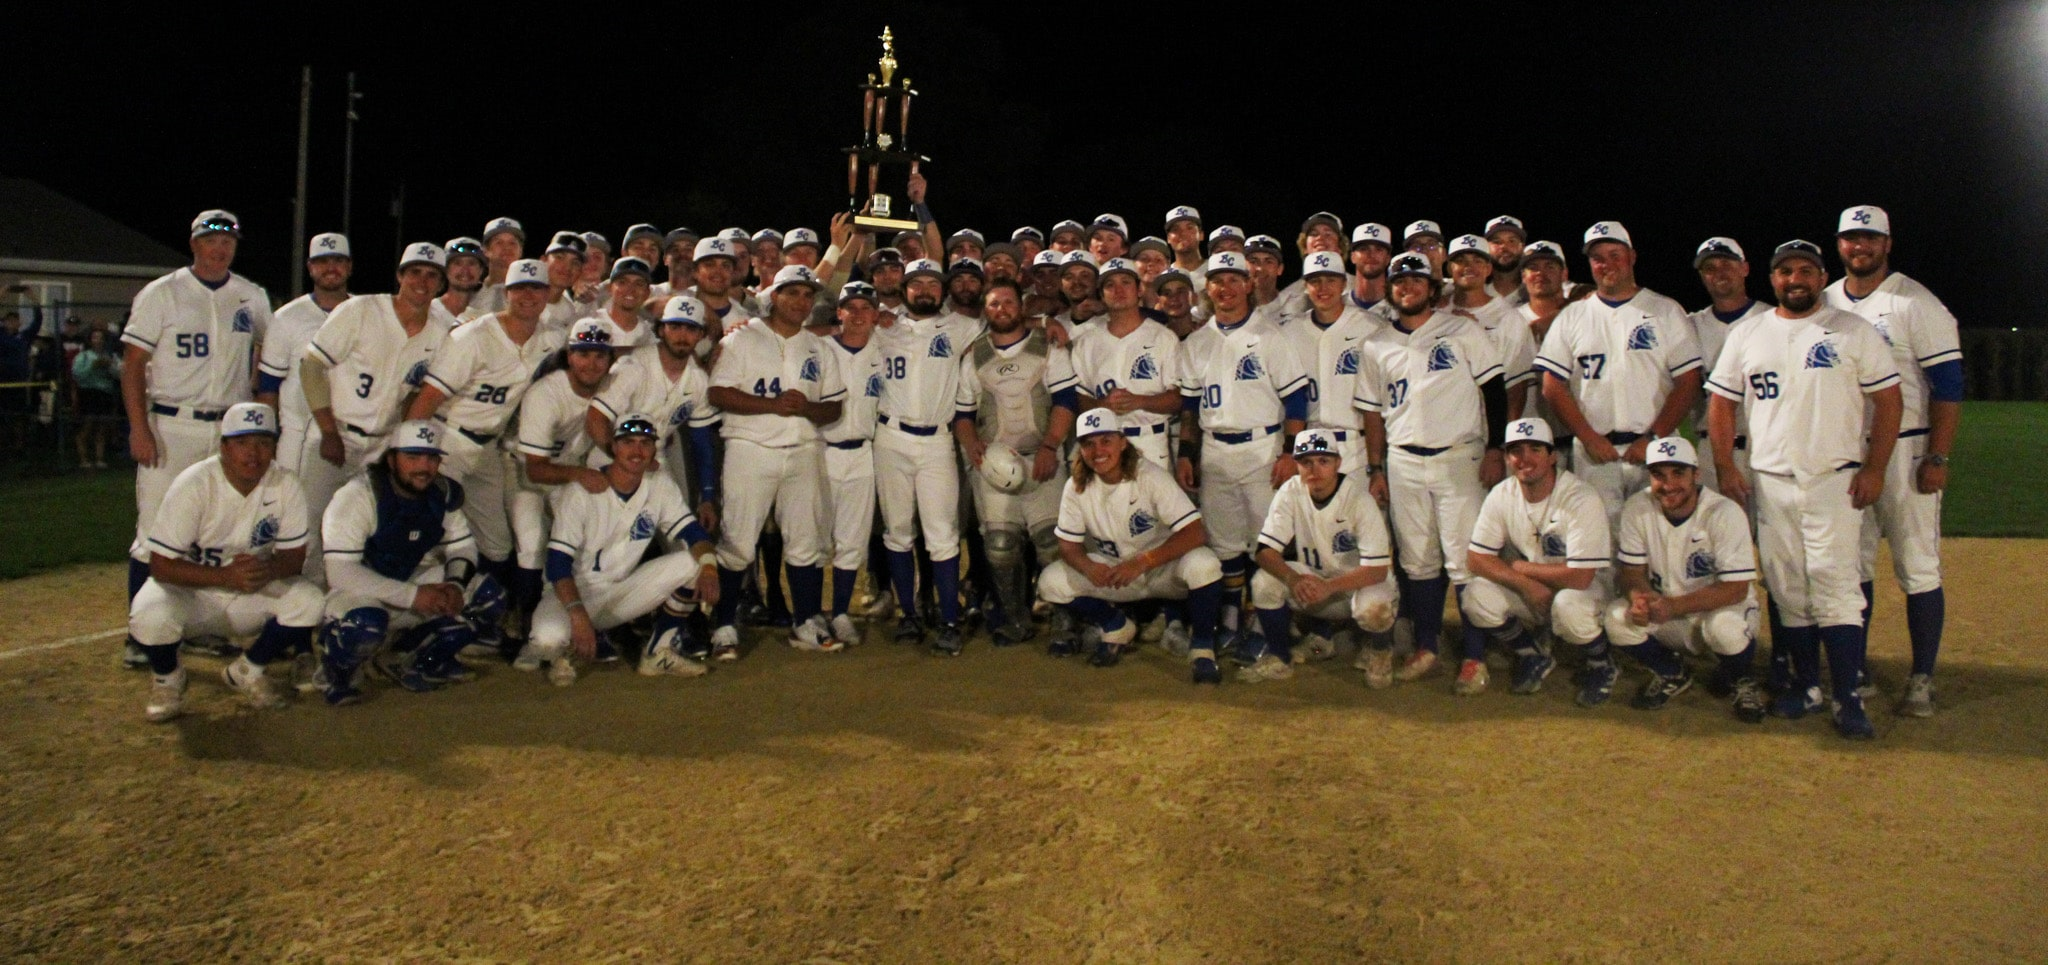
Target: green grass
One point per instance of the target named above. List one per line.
(1998, 487)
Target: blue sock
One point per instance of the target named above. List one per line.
(1924, 615)
(1803, 653)
(729, 582)
(1869, 602)
(1279, 641)
(1094, 612)
(138, 574)
(1597, 650)
(1781, 648)
(842, 589)
(946, 581)
(526, 589)
(1844, 644)
(1426, 608)
(1651, 654)
(1736, 666)
(163, 661)
(771, 564)
(1474, 640)
(903, 578)
(277, 640)
(1203, 603)
(1230, 604)
(806, 592)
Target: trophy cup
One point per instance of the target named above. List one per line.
(878, 147)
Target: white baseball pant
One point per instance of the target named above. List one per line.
(918, 482)
(1154, 445)
(161, 614)
(787, 480)
(1808, 539)
(1236, 491)
(1373, 607)
(1574, 614)
(1350, 447)
(850, 503)
(611, 604)
(1434, 503)
(322, 479)
(1908, 519)
(1723, 632)
(480, 468)
(181, 441)
(1615, 481)
(1060, 583)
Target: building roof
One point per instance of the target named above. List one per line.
(44, 230)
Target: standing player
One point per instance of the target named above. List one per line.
(1340, 571)
(474, 385)
(668, 379)
(367, 358)
(1539, 554)
(775, 385)
(915, 473)
(504, 243)
(1925, 347)
(1805, 372)
(554, 447)
(466, 269)
(1241, 385)
(1184, 236)
(1470, 267)
(225, 553)
(1688, 583)
(400, 557)
(590, 595)
(1724, 272)
(1431, 389)
(1370, 252)
(630, 281)
(190, 339)
(1016, 392)
(1327, 337)
(1128, 533)
(1619, 369)
(1130, 365)
(849, 457)
(1543, 291)
(284, 342)
(1505, 240)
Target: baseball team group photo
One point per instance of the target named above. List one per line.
(1327, 571)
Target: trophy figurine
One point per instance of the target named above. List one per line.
(879, 148)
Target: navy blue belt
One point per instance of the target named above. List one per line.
(1338, 434)
(848, 444)
(355, 430)
(476, 437)
(213, 415)
(1910, 433)
(1233, 438)
(1623, 438)
(907, 427)
(1424, 450)
(1142, 430)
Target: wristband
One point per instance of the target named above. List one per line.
(832, 255)
(1191, 450)
(1375, 468)
(707, 560)
(573, 605)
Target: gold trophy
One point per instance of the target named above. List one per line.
(878, 147)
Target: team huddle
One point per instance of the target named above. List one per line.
(559, 460)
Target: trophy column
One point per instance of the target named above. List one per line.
(878, 148)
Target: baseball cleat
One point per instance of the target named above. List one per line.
(307, 674)
(844, 631)
(528, 659)
(561, 671)
(1269, 667)
(815, 636)
(1206, 671)
(909, 629)
(725, 643)
(1597, 683)
(166, 697)
(1796, 703)
(1066, 645)
(1918, 700)
(1420, 664)
(1154, 630)
(254, 684)
(949, 640)
(1472, 678)
(1011, 634)
(1659, 690)
(447, 670)
(1176, 638)
(666, 661)
(1106, 654)
(133, 657)
(1749, 701)
(1851, 722)
(1378, 666)
(607, 649)
(1250, 647)
(211, 646)
(1530, 669)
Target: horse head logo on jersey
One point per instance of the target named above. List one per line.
(1884, 328)
(808, 371)
(680, 416)
(1699, 565)
(1822, 355)
(1642, 337)
(942, 346)
(1344, 542)
(418, 374)
(1347, 362)
(1142, 523)
(643, 525)
(1553, 545)
(1144, 367)
(244, 322)
(264, 534)
(1250, 369)
(874, 389)
(1442, 358)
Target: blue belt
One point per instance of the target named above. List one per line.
(1233, 438)
(1623, 438)
(1142, 430)
(848, 444)
(907, 427)
(1338, 434)
(203, 415)
(1424, 450)
(1910, 433)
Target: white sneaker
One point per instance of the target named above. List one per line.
(1315, 647)
(1918, 700)
(880, 607)
(665, 660)
(1267, 667)
(307, 674)
(528, 659)
(1153, 631)
(1378, 666)
(813, 636)
(725, 644)
(1404, 635)
(1176, 639)
(166, 697)
(561, 671)
(254, 684)
(844, 631)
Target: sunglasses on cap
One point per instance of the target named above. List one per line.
(218, 224)
(635, 427)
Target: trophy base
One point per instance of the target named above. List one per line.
(874, 223)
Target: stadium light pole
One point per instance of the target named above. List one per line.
(348, 153)
(299, 198)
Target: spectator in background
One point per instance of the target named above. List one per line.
(95, 396)
(14, 369)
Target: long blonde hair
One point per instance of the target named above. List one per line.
(1127, 466)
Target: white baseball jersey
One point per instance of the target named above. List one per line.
(1118, 522)
(1240, 374)
(860, 370)
(561, 312)
(607, 534)
(1708, 547)
(1503, 320)
(1343, 534)
(485, 375)
(755, 359)
(1009, 389)
(201, 339)
(204, 520)
(640, 383)
(1331, 355)
(552, 421)
(1712, 331)
(283, 346)
(921, 367)
(372, 363)
(1569, 527)
(623, 340)
(346, 533)
(1146, 362)
(491, 298)
(1425, 383)
(1620, 360)
(1916, 325)
(1803, 381)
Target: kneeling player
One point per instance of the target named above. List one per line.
(1556, 528)
(1689, 570)
(400, 557)
(1127, 532)
(226, 548)
(593, 594)
(1341, 572)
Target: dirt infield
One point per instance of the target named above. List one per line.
(885, 805)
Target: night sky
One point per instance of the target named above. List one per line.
(1680, 122)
